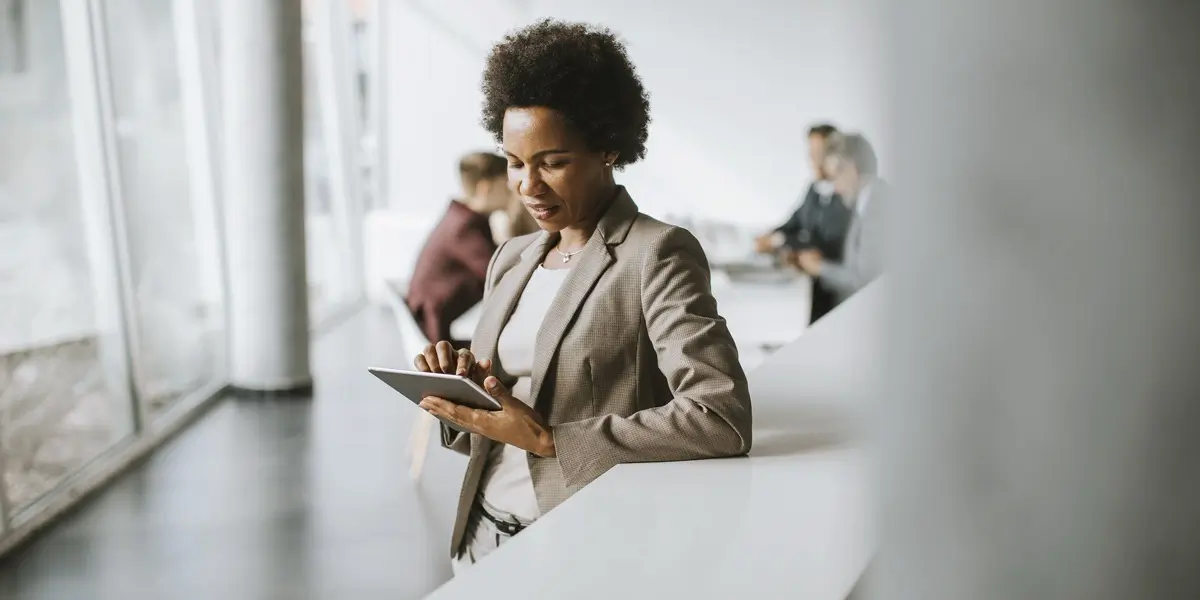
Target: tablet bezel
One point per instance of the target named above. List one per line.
(416, 385)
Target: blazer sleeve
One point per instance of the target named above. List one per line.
(792, 226)
(796, 223)
(709, 414)
(452, 438)
(862, 264)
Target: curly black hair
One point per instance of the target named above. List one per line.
(580, 71)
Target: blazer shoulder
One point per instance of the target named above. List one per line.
(647, 230)
(650, 232)
(510, 251)
(651, 240)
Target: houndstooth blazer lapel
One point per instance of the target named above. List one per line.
(595, 259)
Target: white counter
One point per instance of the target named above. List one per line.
(792, 520)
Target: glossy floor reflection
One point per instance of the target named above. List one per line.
(266, 499)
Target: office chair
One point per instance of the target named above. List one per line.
(413, 340)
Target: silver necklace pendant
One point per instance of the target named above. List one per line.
(566, 257)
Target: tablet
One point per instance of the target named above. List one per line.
(416, 385)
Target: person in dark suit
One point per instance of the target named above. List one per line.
(450, 272)
(820, 223)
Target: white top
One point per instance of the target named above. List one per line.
(794, 520)
(824, 189)
(507, 484)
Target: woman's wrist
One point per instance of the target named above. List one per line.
(545, 443)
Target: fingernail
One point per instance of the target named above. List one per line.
(492, 382)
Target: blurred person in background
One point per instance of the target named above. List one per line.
(599, 336)
(512, 222)
(449, 275)
(821, 222)
(852, 164)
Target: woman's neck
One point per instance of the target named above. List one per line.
(577, 235)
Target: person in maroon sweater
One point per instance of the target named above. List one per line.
(450, 271)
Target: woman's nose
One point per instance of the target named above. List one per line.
(530, 183)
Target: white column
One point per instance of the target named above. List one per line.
(263, 187)
(1040, 426)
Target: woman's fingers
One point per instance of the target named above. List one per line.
(422, 364)
(438, 407)
(431, 359)
(464, 363)
(499, 392)
(462, 416)
(446, 357)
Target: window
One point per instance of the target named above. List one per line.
(63, 394)
(179, 325)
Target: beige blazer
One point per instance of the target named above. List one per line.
(632, 362)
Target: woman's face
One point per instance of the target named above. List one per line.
(845, 177)
(560, 181)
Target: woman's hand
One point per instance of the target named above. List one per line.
(516, 424)
(443, 358)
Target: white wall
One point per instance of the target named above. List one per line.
(733, 89)
(438, 50)
(1037, 426)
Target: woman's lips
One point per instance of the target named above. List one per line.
(542, 212)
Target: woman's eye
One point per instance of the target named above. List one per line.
(555, 165)
(515, 165)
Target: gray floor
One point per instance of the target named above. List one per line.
(266, 499)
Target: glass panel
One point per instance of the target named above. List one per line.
(329, 239)
(365, 52)
(179, 324)
(361, 59)
(62, 398)
(317, 188)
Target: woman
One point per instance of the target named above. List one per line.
(599, 335)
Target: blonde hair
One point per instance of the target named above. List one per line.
(854, 149)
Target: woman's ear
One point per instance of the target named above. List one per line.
(610, 158)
